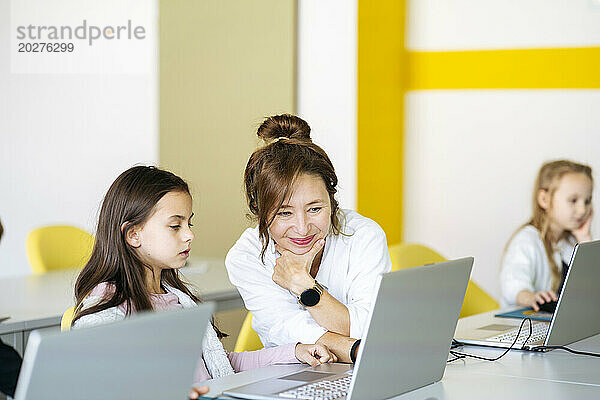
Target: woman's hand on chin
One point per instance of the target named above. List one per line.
(292, 271)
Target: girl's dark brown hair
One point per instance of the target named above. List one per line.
(272, 170)
(129, 202)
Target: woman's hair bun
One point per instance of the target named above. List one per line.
(284, 125)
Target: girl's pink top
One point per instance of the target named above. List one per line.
(243, 361)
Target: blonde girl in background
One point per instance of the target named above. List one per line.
(537, 257)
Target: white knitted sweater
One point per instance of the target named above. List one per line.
(213, 353)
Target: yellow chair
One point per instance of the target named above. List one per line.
(58, 247)
(247, 340)
(408, 255)
(67, 317)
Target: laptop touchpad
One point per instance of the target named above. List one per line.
(306, 376)
(496, 327)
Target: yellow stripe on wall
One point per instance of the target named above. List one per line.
(574, 68)
(381, 86)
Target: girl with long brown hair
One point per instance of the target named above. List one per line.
(308, 271)
(537, 257)
(143, 237)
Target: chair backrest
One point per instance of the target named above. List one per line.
(409, 255)
(67, 317)
(247, 340)
(477, 301)
(58, 247)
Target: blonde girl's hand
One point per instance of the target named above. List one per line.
(583, 234)
(292, 271)
(197, 391)
(314, 354)
(545, 296)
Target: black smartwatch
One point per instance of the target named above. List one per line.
(311, 296)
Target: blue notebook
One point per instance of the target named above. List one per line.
(527, 313)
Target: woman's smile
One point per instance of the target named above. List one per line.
(305, 241)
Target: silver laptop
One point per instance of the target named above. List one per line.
(406, 346)
(147, 356)
(577, 314)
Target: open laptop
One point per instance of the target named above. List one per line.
(151, 355)
(406, 345)
(577, 314)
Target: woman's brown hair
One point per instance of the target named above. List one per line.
(129, 202)
(272, 170)
(548, 180)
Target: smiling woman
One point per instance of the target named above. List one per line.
(307, 272)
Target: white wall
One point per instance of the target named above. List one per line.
(472, 155)
(326, 88)
(64, 137)
(508, 24)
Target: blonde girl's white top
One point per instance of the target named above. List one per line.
(349, 269)
(525, 265)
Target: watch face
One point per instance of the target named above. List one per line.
(310, 297)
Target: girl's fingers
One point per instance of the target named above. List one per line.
(537, 299)
(197, 391)
(541, 298)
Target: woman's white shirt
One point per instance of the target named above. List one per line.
(349, 269)
(525, 265)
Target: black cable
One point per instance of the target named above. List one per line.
(458, 355)
(579, 353)
(455, 358)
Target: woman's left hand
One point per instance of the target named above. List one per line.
(583, 234)
(292, 271)
(314, 354)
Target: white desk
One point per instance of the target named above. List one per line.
(454, 386)
(38, 301)
(518, 375)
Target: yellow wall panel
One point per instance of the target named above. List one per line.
(505, 69)
(381, 86)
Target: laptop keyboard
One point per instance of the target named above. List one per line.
(538, 335)
(321, 390)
